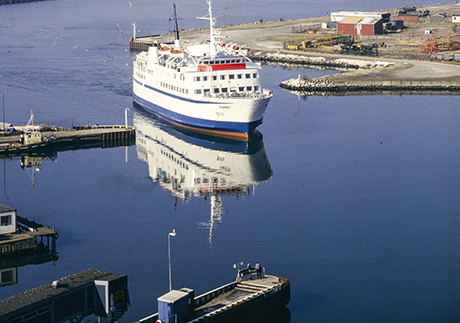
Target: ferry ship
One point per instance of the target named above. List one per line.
(210, 88)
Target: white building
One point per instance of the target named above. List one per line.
(8, 220)
(341, 15)
(456, 17)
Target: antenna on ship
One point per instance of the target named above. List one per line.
(176, 27)
(211, 29)
(211, 19)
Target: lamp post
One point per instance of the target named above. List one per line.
(171, 234)
(237, 267)
(4, 110)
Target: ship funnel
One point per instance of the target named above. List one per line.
(177, 43)
(153, 54)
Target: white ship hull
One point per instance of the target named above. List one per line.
(235, 118)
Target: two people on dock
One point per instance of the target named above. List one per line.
(257, 269)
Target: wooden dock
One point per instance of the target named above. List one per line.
(107, 136)
(32, 237)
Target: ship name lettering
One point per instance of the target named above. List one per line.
(224, 106)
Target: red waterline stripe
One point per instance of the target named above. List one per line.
(222, 134)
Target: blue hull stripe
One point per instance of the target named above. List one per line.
(176, 96)
(210, 125)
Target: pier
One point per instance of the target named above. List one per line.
(141, 43)
(70, 298)
(106, 136)
(29, 237)
(240, 301)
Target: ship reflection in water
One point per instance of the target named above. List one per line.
(190, 165)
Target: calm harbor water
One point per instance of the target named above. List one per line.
(355, 199)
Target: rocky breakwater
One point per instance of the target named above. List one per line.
(324, 86)
(366, 78)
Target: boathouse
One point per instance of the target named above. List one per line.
(361, 25)
(8, 220)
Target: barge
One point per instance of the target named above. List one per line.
(247, 299)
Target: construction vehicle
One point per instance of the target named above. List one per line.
(365, 50)
(322, 41)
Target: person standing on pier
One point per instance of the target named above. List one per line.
(258, 269)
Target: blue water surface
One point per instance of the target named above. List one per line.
(355, 199)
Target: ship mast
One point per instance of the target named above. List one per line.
(211, 31)
(176, 27)
(212, 45)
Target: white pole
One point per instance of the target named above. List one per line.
(126, 118)
(4, 110)
(134, 30)
(171, 234)
(211, 31)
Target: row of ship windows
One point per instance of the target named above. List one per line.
(173, 87)
(214, 180)
(227, 61)
(223, 77)
(226, 90)
(174, 159)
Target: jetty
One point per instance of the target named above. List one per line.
(247, 299)
(36, 237)
(70, 298)
(326, 87)
(19, 235)
(54, 138)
